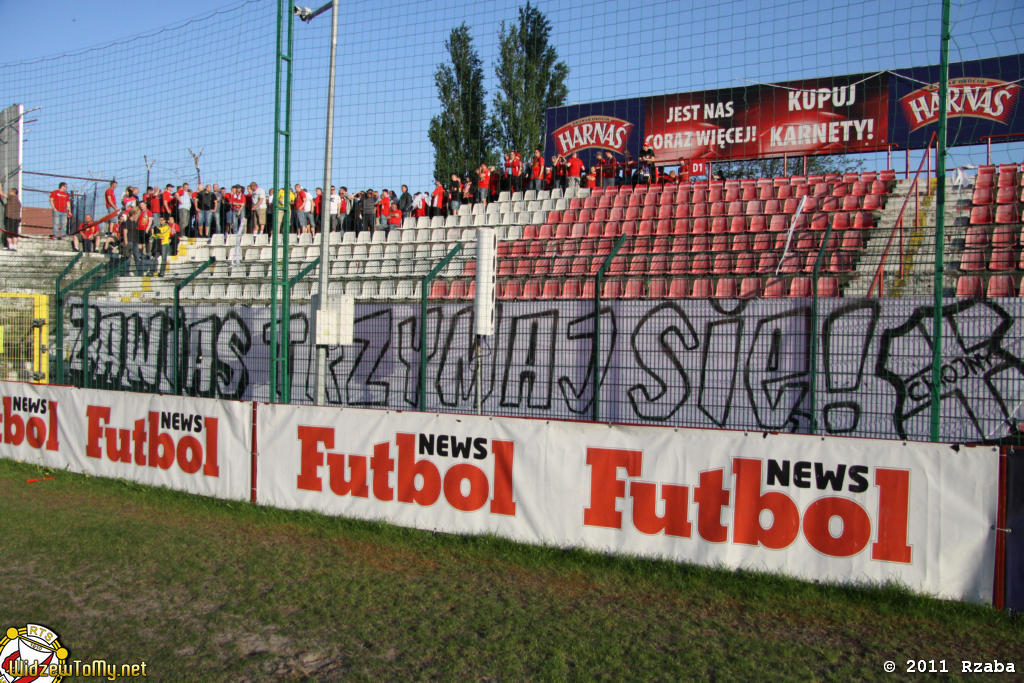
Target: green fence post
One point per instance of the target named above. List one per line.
(424, 290)
(284, 379)
(75, 283)
(813, 370)
(58, 296)
(940, 223)
(114, 272)
(177, 321)
(595, 359)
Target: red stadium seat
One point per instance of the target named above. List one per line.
(1006, 195)
(719, 225)
(841, 262)
(852, 241)
(800, 287)
(651, 212)
(972, 260)
(589, 289)
(697, 210)
(819, 221)
(763, 241)
(768, 262)
(734, 209)
(681, 243)
(702, 288)
(632, 214)
(552, 289)
(1000, 286)
(634, 289)
(840, 221)
(723, 264)
(542, 266)
(716, 193)
(1006, 213)
(1002, 259)
(851, 203)
(859, 188)
(738, 224)
(765, 190)
(863, 219)
(780, 223)
(699, 226)
(746, 262)
(792, 263)
(774, 288)
(680, 265)
(663, 227)
(969, 285)
(872, 202)
(657, 288)
(977, 237)
(772, 206)
(700, 243)
(571, 289)
(612, 289)
(811, 204)
(510, 290)
(784, 192)
(726, 288)
(1003, 236)
(682, 195)
(576, 202)
(459, 289)
(560, 266)
(658, 264)
(717, 209)
(679, 288)
(828, 286)
(532, 289)
(1007, 176)
(750, 288)
(701, 264)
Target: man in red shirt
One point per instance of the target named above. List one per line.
(110, 201)
(537, 171)
(236, 213)
(87, 233)
(167, 202)
(575, 171)
(483, 183)
(437, 199)
(60, 203)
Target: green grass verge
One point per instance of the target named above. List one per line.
(206, 590)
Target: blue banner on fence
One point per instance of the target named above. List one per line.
(984, 103)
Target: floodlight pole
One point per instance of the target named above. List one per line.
(308, 15)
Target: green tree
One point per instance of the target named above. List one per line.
(530, 79)
(461, 133)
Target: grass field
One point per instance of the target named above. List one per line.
(205, 590)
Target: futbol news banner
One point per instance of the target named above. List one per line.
(190, 444)
(830, 509)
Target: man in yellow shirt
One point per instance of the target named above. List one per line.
(162, 233)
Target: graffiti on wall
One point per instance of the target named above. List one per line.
(725, 364)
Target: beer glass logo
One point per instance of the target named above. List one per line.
(32, 648)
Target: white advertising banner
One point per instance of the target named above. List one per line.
(829, 509)
(190, 444)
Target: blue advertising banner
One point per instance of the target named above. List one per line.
(983, 103)
(612, 126)
(829, 115)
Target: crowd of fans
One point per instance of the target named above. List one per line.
(149, 225)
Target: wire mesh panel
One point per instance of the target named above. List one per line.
(23, 327)
(718, 216)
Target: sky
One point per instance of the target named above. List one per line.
(112, 88)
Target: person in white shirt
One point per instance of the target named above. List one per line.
(258, 200)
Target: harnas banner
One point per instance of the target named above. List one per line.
(832, 509)
(831, 115)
